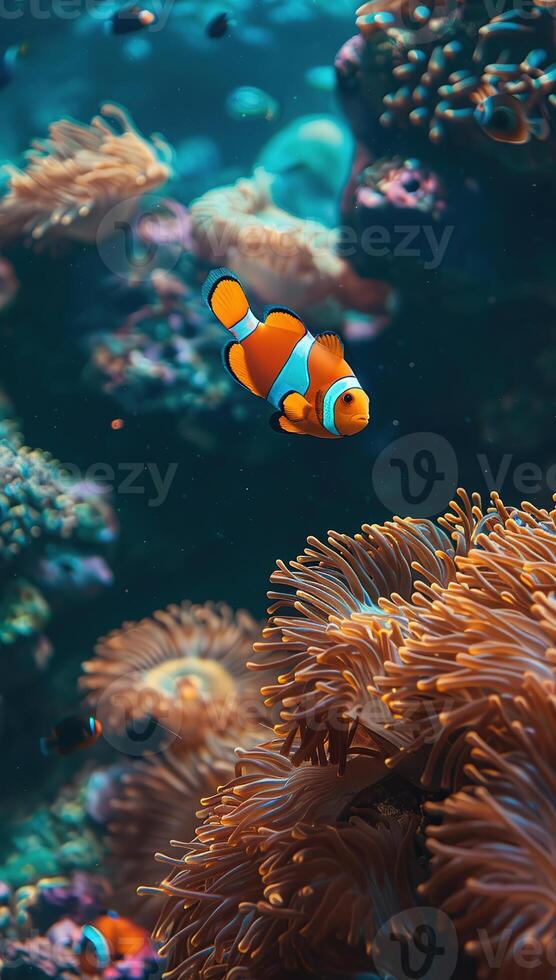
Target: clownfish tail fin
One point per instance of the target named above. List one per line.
(223, 293)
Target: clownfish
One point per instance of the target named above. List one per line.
(72, 734)
(305, 378)
(110, 938)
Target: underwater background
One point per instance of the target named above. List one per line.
(389, 175)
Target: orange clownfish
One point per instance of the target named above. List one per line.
(110, 938)
(305, 378)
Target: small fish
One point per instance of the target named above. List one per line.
(250, 102)
(72, 734)
(8, 63)
(219, 26)
(306, 378)
(109, 939)
(504, 118)
(131, 19)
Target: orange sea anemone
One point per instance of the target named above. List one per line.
(493, 842)
(183, 671)
(73, 178)
(414, 665)
(284, 259)
(257, 894)
(158, 802)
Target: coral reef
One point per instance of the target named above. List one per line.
(414, 668)
(52, 528)
(40, 500)
(166, 354)
(56, 840)
(73, 178)
(483, 85)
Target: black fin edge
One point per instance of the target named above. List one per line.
(281, 309)
(214, 278)
(226, 362)
(274, 423)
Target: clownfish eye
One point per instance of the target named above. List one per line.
(348, 398)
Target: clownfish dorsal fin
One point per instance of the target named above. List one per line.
(234, 360)
(280, 316)
(332, 342)
(295, 407)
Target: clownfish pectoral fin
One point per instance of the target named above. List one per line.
(224, 295)
(280, 316)
(332, 342)
(234, 360)
(295, 407)
(280, 423)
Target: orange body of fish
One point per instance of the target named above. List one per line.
(110, 938)
(305, 378)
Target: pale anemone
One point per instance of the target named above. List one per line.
(281, 257)
(157, 802)
(183, 669)
(74, 177)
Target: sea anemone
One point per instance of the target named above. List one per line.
(452, 74)
(157, 801)
(414, 667)
(493, 842)
(327, 654)
(269, 866)
(281, 257)
(182, 671)
(73, 178)
(477, 638)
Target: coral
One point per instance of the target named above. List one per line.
(311, 158)
(406, 186)
(55, 841)
(454, 76)
(282, 258)
(181, 671)
(73, 178)
(23, 613)
(40, 500)
(414, 667)
(165, 356)
(38, 957)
